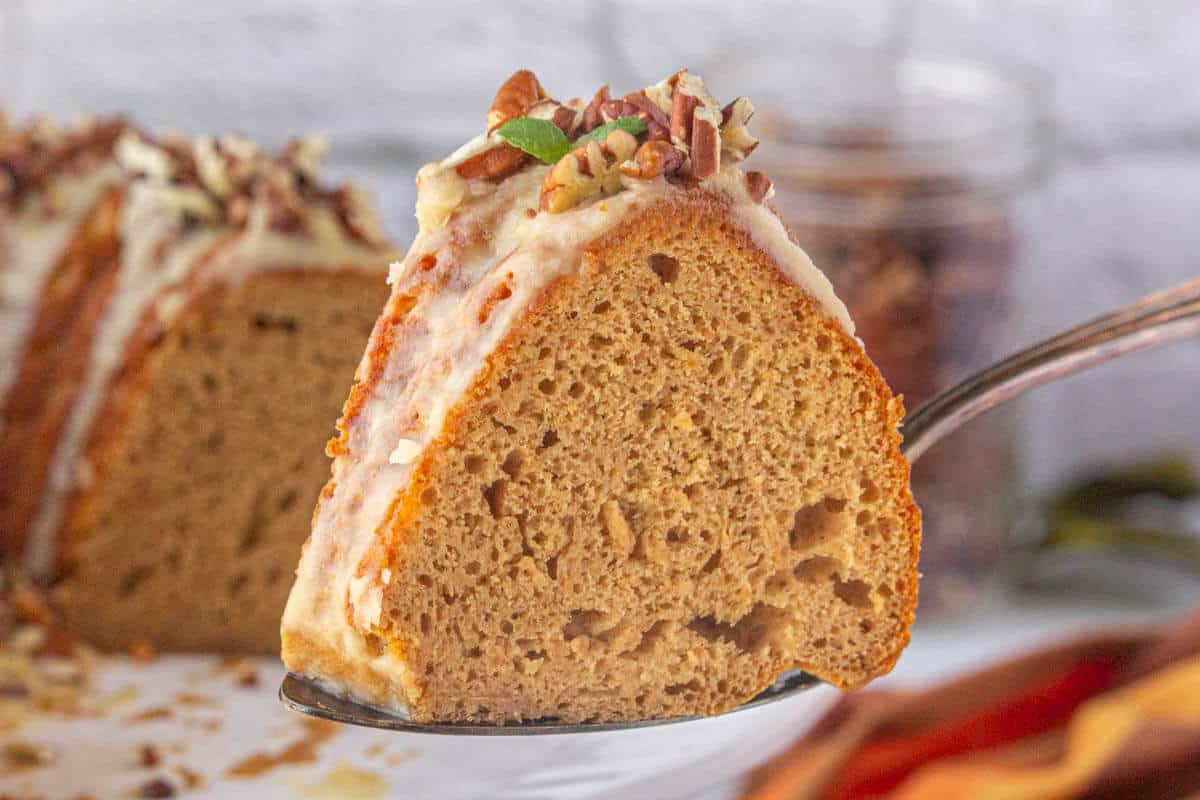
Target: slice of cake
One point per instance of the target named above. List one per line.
(614, 452)
(181, 343)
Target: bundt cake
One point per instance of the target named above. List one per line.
(613, 452)
(178, 320)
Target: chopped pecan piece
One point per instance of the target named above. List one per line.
(658, 124)
(494, 164)
(568, 120)
(591, 113)
(157, 788)
(590, 169)
(690, 94)
(654, 158)
(683, 106)
(706, 143)
(735, 136)
(148, 756)
(515, 95)
(758, 186)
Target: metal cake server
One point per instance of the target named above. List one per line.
(1158, 319)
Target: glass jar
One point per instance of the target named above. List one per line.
(898, 175)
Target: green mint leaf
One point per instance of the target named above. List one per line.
(634, 125)
(540, 138)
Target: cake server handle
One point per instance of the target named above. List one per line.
(1158, 319)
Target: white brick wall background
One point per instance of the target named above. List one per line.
(397, 84)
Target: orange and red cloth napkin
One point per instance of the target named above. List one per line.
(1115, 715)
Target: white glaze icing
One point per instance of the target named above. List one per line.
(338, 596)
(31, 243)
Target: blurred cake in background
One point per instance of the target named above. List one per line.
(178, 321)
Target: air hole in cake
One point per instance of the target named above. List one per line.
(741, 356)
(870, 491)
(677, 537)
(650, 638)
(865, 626)
(135, 578)
(252, 534)
(265, 321)
(814, 524)
(505, 382)
(679, 688)
(552, 567)
(576, 390)
(509, 429)
(665, 267)
(853, 592)
(288, 500)
(599, 342)
(834, 505)
(547, 386)
(714, 561)
(530, 409)
(429, 495)
(818, 644)
(474, 652)
(582, 623)
(863, 519)
(883, 590)
(603, 307)
(752, 631)
(824, 343)
(817, 569)
(513, 463)
(506, 627)
(425, 581)
(549, 439)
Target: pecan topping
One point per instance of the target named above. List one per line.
(735, 137)
(638, 105)
(568, 120)
(682, 108)
(758, 186)
(706, 143)
(591, 113)
(591, 169)
(515, 95)
(494, 164)
(686, 133)
(654, 158)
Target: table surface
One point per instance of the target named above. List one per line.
(219, 739)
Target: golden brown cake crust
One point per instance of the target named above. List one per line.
(706, 215)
